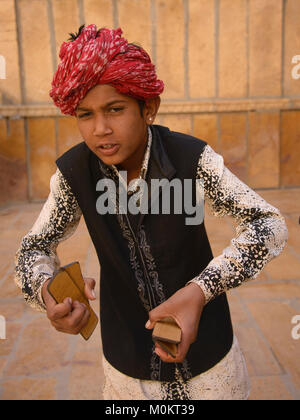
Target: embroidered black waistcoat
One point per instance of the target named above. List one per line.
(145, 259)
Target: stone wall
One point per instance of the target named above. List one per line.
(227, 66)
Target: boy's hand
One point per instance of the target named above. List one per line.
(185, 306)
(69, 317)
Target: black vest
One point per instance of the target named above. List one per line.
(145, 259)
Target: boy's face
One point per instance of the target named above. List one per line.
(112, 126)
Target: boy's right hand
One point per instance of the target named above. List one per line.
(67, 317)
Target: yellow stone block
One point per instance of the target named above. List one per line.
(42, 143)
(87, 368)
(292, 222)
(29, 359)
(290, 148)
(170, 47)
(265, 30)
(201, 45)
(68, 134)
(237, 309)
(232, 49)
(284, 267)
(13, 171)
(30, 389)
(264, 149)
(269, 388)
(66, 20)
(12, 139)
(10, 87)
(233, 145)
(205, 128)
(99, 12)
(181, 123)
(269, 291)
(76, 248)
(274, 320)
(159, 119)
(141, 33)
(259, 357)
(291, 48)
(12, 332)
(36, 47)
(287, 200)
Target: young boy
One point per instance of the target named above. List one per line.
(153, 265)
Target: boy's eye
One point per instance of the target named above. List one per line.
(115, 109)
(112, 110)
(86, 114)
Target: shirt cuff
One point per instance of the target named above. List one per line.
(40, 296)
(201, 283)
(36, 300)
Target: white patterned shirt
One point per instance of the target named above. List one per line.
(261, 235)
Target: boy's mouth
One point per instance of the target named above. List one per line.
(109, 149)
(107, 146)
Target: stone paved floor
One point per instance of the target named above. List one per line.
(36, 362)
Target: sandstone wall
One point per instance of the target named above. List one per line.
(227, 66)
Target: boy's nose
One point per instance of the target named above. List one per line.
(101, 127)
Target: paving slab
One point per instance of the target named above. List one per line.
(38, 363)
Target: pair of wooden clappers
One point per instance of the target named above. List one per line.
(167, 334)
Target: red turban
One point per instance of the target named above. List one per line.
(102, 57)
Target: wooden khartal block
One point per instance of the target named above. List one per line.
(74, 272)
(167, 334)
(68, 282)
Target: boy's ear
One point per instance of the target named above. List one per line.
(151, 108)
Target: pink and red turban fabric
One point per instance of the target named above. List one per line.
(102, 57)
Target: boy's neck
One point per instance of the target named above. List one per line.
(133, 165)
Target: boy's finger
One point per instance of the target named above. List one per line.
(74, 321)
(164, 356)
(78, 312)
(60, 310)
(156, 314)
(183, 348)
(84, 320)
(89, 288)
(47, 298)
(150, 325)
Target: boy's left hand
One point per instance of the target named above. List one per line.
(89, 289)
(185, 306)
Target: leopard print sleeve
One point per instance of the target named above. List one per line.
(261, 232)
(36, 259)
